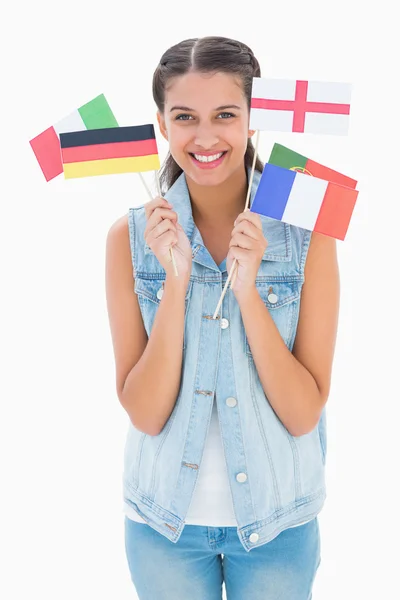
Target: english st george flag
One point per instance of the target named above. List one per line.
(319, 107)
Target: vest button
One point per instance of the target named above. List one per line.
(272, 298)
(241, 477)
(231, 402)
(254, 538)
(160, 293)
(224, 323)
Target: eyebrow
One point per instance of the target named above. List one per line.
(223, 107)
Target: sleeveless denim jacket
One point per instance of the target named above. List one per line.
(276, 480)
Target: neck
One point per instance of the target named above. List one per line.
(221, 203)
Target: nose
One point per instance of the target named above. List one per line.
(205, 137)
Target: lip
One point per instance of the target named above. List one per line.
(208, 152)
(210, 165)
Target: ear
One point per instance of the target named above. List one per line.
(161, 125)
(251, 132)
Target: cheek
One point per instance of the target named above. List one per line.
(178, 138)
(239, 141)
(178, 141)
(239, 135)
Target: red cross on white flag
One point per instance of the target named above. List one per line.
(320, 107)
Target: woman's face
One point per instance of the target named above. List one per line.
(205, 121)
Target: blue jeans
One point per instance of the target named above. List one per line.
(193, 568)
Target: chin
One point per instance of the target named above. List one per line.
(208, 178)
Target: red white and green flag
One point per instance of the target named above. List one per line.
(289, 159)
(319, 107)
(46, 146)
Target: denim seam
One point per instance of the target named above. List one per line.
(139, 458)
(131, 224)
(304, 249)
(151, 504)
(263, 434)
(161, 444)
(284, 512)
(196, 386)
(241, 433)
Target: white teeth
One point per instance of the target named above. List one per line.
(206, 159)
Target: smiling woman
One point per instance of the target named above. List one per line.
(226, 446)
(203, 133)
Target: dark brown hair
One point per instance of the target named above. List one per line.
(204, 55)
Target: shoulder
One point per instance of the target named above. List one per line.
(321, 255)
(118, 246)
(119, 229)
(123, 228)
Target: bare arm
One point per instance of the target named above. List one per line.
(297, 384)
(148, 371)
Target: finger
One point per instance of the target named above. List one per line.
(150, 206)
(248, 228)
(159, 230)
(243, 241)
(161, 214)
(241, 254)
(251, 217)
(167, 239)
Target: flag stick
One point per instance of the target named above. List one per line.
(233, 267)
(170, 250)
(146, 186)
(151, 198)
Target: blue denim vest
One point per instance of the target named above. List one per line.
(276, 480)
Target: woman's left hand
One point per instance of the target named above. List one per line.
(247, 245)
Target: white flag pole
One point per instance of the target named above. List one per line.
(170, 250)
(233, 267)
(151, 198)
(146, 186)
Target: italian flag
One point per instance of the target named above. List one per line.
(308, 202)
(46, 146)
(289, 159)
(109, 151)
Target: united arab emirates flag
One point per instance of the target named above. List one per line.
(46, 146)
(109, 151)
(289, 159)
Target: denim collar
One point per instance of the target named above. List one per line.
(276, 232)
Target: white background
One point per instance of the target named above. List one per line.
(62, 428)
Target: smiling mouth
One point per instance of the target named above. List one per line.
(208, 159)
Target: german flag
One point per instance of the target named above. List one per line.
(109, 151)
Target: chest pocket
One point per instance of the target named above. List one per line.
(150, 293)
(282, 298)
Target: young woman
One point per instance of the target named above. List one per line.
(224, 459)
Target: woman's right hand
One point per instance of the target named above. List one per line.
(163, 232)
